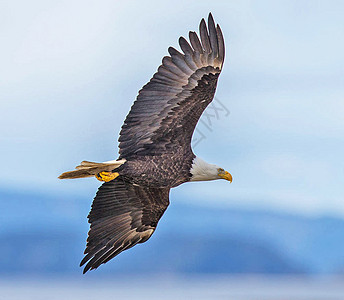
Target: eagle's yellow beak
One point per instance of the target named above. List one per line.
(226, 175)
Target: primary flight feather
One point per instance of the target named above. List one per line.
(155, 152)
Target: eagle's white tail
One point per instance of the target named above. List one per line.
(89, 169)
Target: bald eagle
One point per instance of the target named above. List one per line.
(155, 152)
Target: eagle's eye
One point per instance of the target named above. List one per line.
(220, 170)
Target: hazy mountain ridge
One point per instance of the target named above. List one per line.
(47, 233)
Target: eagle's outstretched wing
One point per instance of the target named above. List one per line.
(122, 215)
(167, 109)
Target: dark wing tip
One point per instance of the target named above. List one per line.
(221, 43)
(84, 260)
(172, 51)
(203, 22)
(213, 36)
(210, 18)
(204, 36)
(185, 46)
(195, 42)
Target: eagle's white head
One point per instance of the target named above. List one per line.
(202, 171)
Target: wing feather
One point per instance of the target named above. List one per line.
(167, 108)
(221, 44)
(122, 216)
(203, 31)
(185, 46)
(195, 42)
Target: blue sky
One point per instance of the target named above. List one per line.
(70, 71)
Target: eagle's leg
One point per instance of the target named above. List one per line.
(106, 176)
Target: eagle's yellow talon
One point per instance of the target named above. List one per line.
(106, 176)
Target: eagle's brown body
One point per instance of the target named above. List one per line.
(153, 171)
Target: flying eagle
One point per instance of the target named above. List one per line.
(155, 152)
